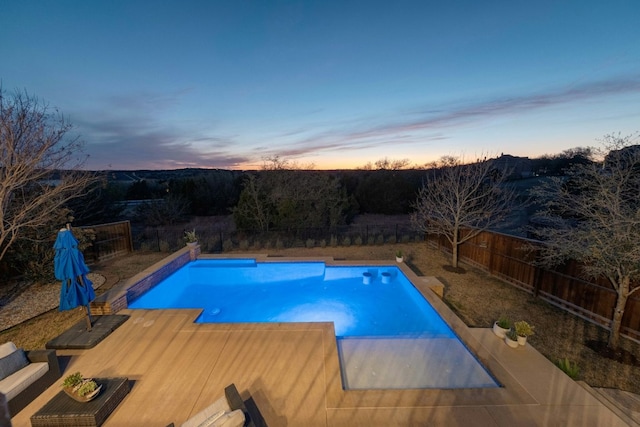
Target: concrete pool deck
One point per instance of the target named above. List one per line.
(292, 372)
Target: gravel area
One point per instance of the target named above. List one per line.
(24, 300)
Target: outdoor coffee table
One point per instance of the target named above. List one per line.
(63, 411)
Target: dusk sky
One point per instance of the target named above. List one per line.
(337, 84)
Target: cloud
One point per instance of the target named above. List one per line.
(133, 132)
(430, 123)
(128, 133)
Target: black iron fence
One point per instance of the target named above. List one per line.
(216, 239)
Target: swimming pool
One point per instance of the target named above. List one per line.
(382, 322)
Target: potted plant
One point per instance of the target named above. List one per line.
(80, 389)
(523, 330)
(191, 238)
(501, 326)
(399, 257)
(511, 338)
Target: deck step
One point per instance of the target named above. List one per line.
(625, 404)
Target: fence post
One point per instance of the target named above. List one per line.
(536, 281)
(130, 234)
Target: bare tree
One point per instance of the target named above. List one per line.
(387, 164)
(457, 196)
(593, 217)
(39, 166)
(392, 164)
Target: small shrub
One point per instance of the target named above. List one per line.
(244, 245)
(504, 322)
(334, 241)
(371, 240)
(72, 380)
(209, 244)
(346, 241)
(279, 244)
(523, 329)
(86, 388)
(147, 246)
(310, 243)
(568, 367)
(164, 246)
(190, 236)
(323, 243)
(405, 238)
(380, 240)
(227, 246)
(392, 240)
(358, 241)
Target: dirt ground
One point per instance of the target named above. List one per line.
(476, 297)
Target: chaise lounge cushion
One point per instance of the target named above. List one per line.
(217, 414)
(19, 381)
(228, 411)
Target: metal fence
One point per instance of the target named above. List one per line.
(218, 239)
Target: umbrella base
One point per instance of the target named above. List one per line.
(77, 337)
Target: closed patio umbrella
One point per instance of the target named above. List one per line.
(70, 268)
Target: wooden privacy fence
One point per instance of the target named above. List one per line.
(111, 240)
(513, 259)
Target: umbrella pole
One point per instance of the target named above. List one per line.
(88, 318)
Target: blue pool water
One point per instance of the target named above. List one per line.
(375, 311)
(247, 291)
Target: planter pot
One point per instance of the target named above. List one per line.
(511, 343)
(500, 332)
(192, 244)
(399, 259)
(522, 340)
(86, 398)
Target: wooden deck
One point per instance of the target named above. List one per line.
(291, 370)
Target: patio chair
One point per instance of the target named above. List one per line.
(228, 411)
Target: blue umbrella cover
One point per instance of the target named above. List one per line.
(70, 268)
